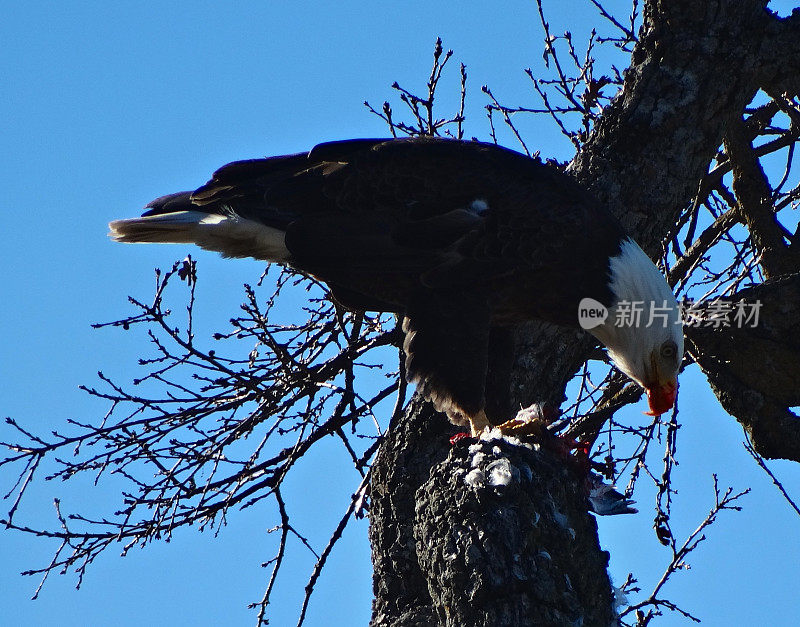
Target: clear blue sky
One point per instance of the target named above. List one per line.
(106, 106)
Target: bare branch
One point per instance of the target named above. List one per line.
(748, 446)
(722, 501)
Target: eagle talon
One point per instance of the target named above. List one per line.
(530, 422)
(520, 427)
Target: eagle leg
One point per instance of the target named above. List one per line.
(446, 346)
(478, 423)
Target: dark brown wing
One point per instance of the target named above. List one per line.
(459, 237)
(435, 211)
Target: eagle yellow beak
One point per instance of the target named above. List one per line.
(661, 398)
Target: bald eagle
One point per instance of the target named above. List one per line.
(463, 240)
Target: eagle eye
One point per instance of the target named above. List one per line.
(669, 349)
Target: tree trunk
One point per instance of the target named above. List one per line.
(489, 534)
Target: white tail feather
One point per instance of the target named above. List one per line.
(229, 235)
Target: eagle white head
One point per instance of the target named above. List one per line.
(643, 331)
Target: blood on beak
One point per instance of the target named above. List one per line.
(661, 398)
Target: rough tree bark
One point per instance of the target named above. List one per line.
(760, 398)
(448, 553)
(466, 534)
